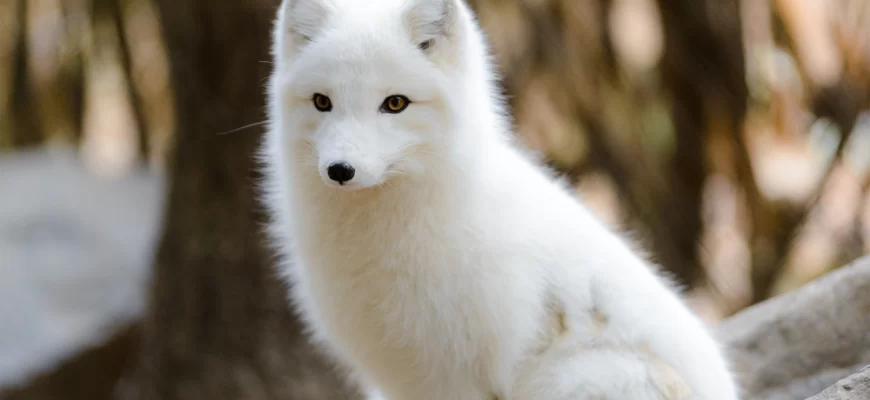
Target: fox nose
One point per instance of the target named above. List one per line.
(340, 172)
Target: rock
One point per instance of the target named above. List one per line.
(75, 257)
(853, 387)
(795, 345)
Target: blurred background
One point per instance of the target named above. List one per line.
(729, 138)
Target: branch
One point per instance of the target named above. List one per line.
(795, 345)
(854, 387)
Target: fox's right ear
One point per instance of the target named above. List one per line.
(299, 21)
(429, 20)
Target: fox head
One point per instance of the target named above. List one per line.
(367, 91)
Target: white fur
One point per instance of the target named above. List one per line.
(452, 266)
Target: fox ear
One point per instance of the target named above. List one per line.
(302, 20)
(430, 20)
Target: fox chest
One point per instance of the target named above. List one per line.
(414, 322)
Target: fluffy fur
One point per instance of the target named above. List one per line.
(452, 266)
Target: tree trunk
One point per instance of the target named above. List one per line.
(703, 69)
(25, 128)
(219, 324)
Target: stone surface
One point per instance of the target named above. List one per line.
(853, 387)
(795, 345)
(75, 256)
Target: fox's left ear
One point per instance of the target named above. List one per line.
(428, 21)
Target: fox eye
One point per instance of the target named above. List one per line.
(395, 104)
(322, 102)
(426, 45)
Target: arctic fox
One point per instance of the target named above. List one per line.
(426, 251)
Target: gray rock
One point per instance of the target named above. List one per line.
(75, 256)
(795, 345)
(853, 387)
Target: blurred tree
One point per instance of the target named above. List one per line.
(703, 69)
(23, 122)
(219, 325)
(832, 95)
(111, 10)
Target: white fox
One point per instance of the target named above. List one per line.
(426, 251)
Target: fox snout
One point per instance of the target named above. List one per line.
(352, 158)
(340, 172)
(349, 172)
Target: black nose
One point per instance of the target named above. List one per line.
(340, 172)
